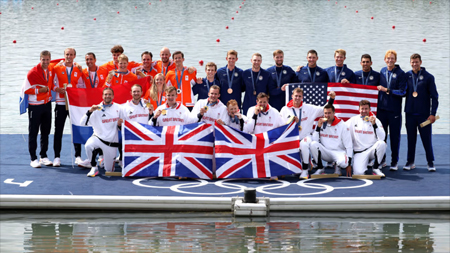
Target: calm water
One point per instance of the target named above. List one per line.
(218, 232)
(193, 27)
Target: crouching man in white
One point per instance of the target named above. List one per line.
(262, 117)
(211, 109)
(304, 115)
(172, 113)
(105, 118)
(332, 142)
(368, 140)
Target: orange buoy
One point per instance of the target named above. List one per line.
(356, 11)
(226, 27)
(371, 17)
(62, 28)
(95, 19)
(14, 41)
(118, 12)
(218, 40)
(200, 62)
(232, 18)
(237, 11)
(393, 27)
(424, 40)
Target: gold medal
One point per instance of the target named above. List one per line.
(254, 93)
(262, 109)
(230, 90)
(366, 118)
(206, 108)
(163, 112)
(148, 105)
(300, 128)
(99, 108)
(415, 94)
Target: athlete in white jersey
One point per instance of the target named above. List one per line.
(332, 142)
(262, 117)
(211, 109)
(172, 113)
(105, 118)
(308, 113)
(368, 140)
(137, 109)
(234, 117)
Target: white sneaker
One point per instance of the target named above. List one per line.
(378, 172)
(116, 160)
(304, 175)
(337, 171)
(78, 160)
(431, 167)
(93, 172)
(57, 162)
(86, 164)
(409, 166)
(35, 164)
(100, 161)
(394, 167)
(319, 171)
(45, 161)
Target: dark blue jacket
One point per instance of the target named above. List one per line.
(345, 74)
(202, 89)
(320, 73)
(238, 85)
(427, 93)
(277, 96)
(393, 101)
(261, 85)
(374, 77)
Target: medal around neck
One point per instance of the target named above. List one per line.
(230, 90)
(163, 112)
(415, 94)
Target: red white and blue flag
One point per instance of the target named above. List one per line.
(80, 100)
(242, 155)
(170, 151)
(347, 98)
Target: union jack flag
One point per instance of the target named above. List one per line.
(170, 151)
(242, 155)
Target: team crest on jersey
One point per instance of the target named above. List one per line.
(343, 74)
(236, 74)
(394, 75)
(186, 78)
(421, 77)
(260, 78)
(63, 72)
(75, 74)
(101, 76)
(284, 72)
(371, 77)
(117, 81)
(317, 73)
(305, 72)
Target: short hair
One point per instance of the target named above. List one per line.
(312, 51)
(366, 56)
(328, 106)
(211, 64)
(232, 52)
(415, 56)
(278, 51)
(177, 52)
(364, 102)
(108, 88)
(257, 54)
(390, 52)
(93, 55)
(340, 51)
(70, 48)
(45, 53)
(297, 90)
(170, 89)
(147, 52)
(136, 85)
(122, 57)
(232, 102)
(262, 95)
(117, 49)
(214, 87)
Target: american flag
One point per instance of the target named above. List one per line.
(347, 98)
(242, 155)
(170, 151)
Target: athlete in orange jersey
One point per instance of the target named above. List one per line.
(146, 67)
(116, 51)
(165, 64)
(123, 75)
(93, 76)
(181, 79)
(156, 95)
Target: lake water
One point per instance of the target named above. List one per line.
(193, 27)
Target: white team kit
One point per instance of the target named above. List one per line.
(334, 143)
(104, 123)
(265, 121)
(307, 114)
(368, 142)
(179, 115)
(235, 122)
(137, 113)
(213, 113)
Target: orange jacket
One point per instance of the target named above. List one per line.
(100, 78)
(119, 79)
(152, 72)
(111, 66)
(61, 77)
(185, 94)
(154, 102)
(37, 76)
(159, 68)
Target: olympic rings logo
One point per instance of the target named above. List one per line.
(234, 188)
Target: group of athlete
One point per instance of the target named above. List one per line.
(170, 101)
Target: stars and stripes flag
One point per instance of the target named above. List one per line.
(242, 155)
(170, 151)
(347, 98)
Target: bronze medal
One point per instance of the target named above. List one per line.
(254, 93)
(415, 94)
(230, 90)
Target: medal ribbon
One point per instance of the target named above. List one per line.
(207, 83)
(389, 78)
(181, 78)
(299, 117)
(159, 101)
(336, 77)
(415, 81)
(366, 81)
(253, 80)
(234, 119)
(230, 82)
(95, 78)
(69, 75)
(313, 77)
(278, 76)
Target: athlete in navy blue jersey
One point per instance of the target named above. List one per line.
(367, 76)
